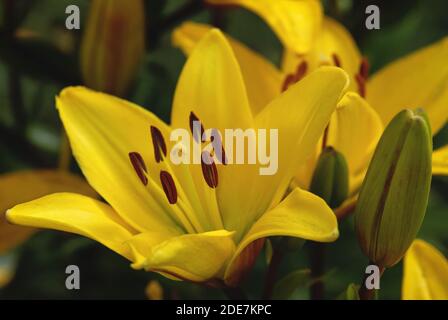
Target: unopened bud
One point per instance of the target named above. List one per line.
(394, 195)
(113, 44)
(330, 178)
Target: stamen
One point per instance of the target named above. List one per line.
(301, 71)
(194, 129)
(218, 146)
(289, 80)
(364, 68)
(295, 77)
(158, 143)
(361, 85)
(336, 60)
(139, 166)
(209, 171)
(168, 186)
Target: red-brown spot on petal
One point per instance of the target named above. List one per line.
(158, 143)
(194, 128)
(336, 60)
(168, 186)
(139, 166)
(209, 170)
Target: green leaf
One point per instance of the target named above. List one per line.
(285, 287)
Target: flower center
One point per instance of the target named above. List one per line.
(208, 165)
(209, 169)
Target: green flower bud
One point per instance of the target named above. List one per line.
(394, 195)
(330, 178)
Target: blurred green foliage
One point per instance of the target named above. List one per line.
(32, 71)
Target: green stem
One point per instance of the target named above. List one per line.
(368, 294)
(317, 265)
(271, 275)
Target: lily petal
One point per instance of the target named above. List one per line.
(212, 87)
(419, 80)
(103, 130)
(262, 79)
(308, 106)
(78, 214)
(301, 214)
(355, 129)
(23, 186)
(296, 23)
(210, 252)
(425, 273)
(440, 161)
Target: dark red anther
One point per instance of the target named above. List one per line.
(218, 146)
(289, 80)
(158, 143)
(139, 166)
(364, 68)
(301, 71)
(292, 78)
(168, 186)
(194, 127)
(361, 85)
(336, 60)
(209, 170)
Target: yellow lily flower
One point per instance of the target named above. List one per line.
(22, 186)
(354, 129)
(419, 80)
(425, 274)
(113, 44)
(191, 222)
